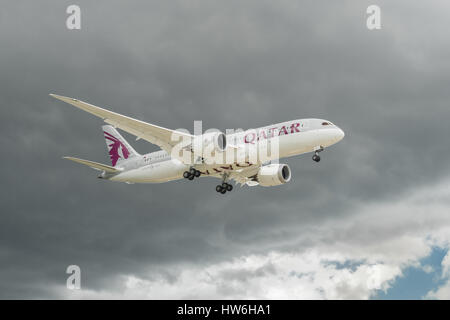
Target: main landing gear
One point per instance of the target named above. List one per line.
(191, 174)
(224, 187)
(316, 156)
(221, 188)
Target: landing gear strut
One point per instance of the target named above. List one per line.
(191, 174)
(316, 156)
(224, 187)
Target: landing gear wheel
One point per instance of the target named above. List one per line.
(186, 174)
(229, 187)
(191, 177)
(223, 191)
(192, 171)
(197, 173)
(316, 158)
(219, 188)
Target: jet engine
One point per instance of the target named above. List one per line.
(219, 140)
(210, 143)
(273, 175)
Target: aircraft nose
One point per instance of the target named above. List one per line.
(339, 134)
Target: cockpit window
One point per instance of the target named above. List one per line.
(325, 123)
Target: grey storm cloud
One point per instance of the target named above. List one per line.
(231, 64)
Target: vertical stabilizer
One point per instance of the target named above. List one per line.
(118, 148)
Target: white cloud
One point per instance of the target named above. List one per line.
(443, 292)
(446, 265)
(427, 268)
(272, 276)
(350, 258)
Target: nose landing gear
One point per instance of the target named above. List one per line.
(316, 156)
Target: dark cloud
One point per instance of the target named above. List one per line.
(232, 64)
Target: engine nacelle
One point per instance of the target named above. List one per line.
(210, 143)
(273, 175)
(219, 139)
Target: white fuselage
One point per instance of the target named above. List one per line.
(294, 137)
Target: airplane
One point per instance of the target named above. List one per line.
(290, 138)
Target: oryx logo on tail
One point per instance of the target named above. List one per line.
(114, 148)
(118, 147)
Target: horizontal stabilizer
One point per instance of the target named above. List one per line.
(95, 165)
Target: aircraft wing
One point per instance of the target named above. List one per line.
(160, 136)
(245, 176)
(241, 176)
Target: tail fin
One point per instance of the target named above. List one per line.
(119, 149)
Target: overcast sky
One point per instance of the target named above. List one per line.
(369, 221)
